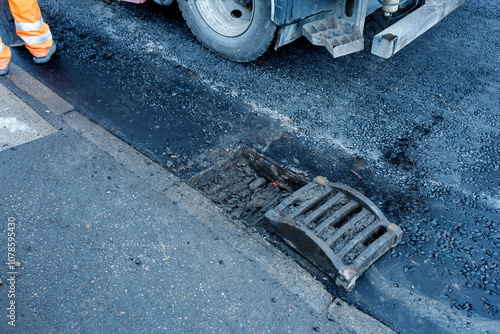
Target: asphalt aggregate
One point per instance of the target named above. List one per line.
(418, 134)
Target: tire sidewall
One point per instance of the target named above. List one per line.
(246, 47)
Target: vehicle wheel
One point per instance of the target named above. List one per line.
(240, 30)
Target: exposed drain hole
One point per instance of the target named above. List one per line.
(247, 184)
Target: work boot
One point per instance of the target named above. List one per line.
(43, 60)
(4, 71)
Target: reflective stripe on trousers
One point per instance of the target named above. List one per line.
(31, 27)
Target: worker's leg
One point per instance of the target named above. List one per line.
(31, 28)
(4, 58)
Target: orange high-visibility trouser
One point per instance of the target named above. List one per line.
(30, 27)
(4, 55)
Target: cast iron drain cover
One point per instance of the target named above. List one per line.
(335, 227)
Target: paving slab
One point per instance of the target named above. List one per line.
(19, 123)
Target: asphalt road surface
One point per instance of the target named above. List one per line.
(418, 134)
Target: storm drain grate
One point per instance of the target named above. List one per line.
(335, 227)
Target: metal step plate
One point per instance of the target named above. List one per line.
(335, 227)
(338, 36)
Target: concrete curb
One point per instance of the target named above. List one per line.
(38, 90)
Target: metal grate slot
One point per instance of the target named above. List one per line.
(361, 242)
(334, 239)
(306, 206)
(335, 219)
(314, 216)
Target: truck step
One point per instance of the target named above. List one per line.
(338, 36)
(335, 227)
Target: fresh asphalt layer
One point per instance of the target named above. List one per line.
(108, 241)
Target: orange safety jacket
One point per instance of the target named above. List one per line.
(30, 27)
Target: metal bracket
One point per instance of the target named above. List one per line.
(403, 32)
(355, 12)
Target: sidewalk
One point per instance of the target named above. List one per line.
(108, 241)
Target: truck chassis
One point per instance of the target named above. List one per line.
(242, 30)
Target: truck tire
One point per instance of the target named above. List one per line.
(240, 30)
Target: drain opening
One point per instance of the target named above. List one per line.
(246, 184)
(264, 178)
